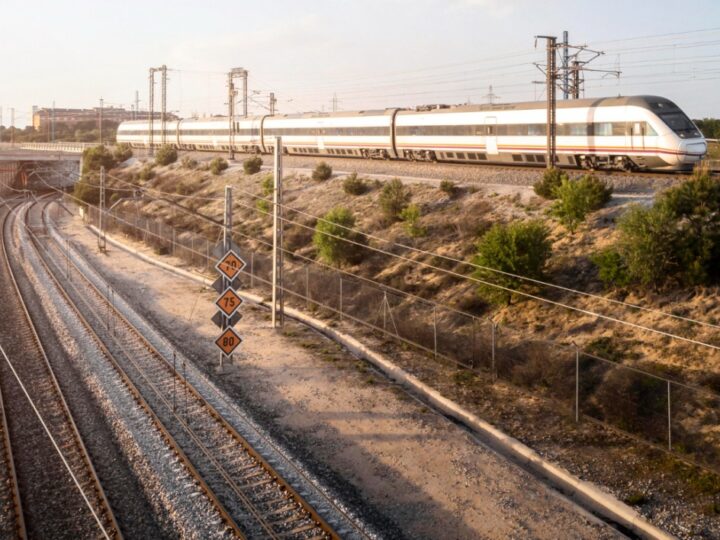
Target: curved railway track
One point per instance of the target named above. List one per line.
(253, 498)
(61, 494)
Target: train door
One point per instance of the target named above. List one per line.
(637, 137)
(491, 136)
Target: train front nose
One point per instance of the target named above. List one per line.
(692, 151)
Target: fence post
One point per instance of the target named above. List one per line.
(252, 269)
(472, 343)
(669, 418)
(435, 330)
(577, 383)
(492, 355)
(341, 298)
(277, 271)
(307, 287)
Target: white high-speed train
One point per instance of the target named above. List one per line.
(633, 133)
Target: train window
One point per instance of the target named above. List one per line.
(619, 129)
(472, 155)
(602, 129)
(540, 158)
(490, 130)
(461, 155)
(649, 130)
(482, 157)
(450, 155)
(517, 157)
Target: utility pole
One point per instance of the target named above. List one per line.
(101, 120)
(137, 105)
(163, 114)
(490, 96)
(273, 103)
(551, 79)
(278, 302)
(52, 138)
(151, 112)
(245, 92)
(12, 126)
(232, 93)
(576, 82)
(565, 66)
(334, 103)
(101, 238)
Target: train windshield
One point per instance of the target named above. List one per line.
(681, 125)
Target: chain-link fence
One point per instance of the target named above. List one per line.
(664, 412)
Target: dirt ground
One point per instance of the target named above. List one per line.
(411, 472)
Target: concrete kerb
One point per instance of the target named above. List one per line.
(587, 493)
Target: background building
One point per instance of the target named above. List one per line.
(43, 117)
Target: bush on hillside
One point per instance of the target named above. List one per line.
(411, 215)
(449, 187)
(394, 198)
(122, 152)
(577, 198)
(551, 180)
(87, 189)
(333, 237)
(674, 242)
(96, 157)
(520, 248)
(188, 163)
(146, 173)
(165, 155)
(322, 171)
(353, 185)
(252, 165)
(218, 165)
(267, 185)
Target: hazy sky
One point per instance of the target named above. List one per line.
(371, 53)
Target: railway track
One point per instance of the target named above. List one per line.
(61, 494)
(252, 497)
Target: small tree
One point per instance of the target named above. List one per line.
(322, 172)
(551, 180)
(394, 198)
(252, 165)
(611, 268)
(577, 198)
(411, 215)
(520, 248)
(87, 189)
(218, 165)
(166, 155)
(334, 238)
(122, 152)
(353, 185)
(96, 157)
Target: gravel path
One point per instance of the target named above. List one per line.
(409, 470)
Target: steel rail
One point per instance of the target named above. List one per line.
(106, 509)
(217, 417)
(137, 395)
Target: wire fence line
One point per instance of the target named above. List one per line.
(669, 414)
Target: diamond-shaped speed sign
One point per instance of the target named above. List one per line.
(228, 302)
(230, 265)
(228, 341)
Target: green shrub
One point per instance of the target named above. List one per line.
(611, 268)
(218, 165)
(263, 205)
(322, 171)
(165, 155)
(353, 185)
(449, 187)
(551, 180)
(87, 189)
(520, 248)
(577, 198)
(188, 163)
(122, 152)
(96, 157)
(252, 165)
(186, 187)
(394, 198)
(267, 185)
(410, 215)
(333, 238)
(146, 173)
